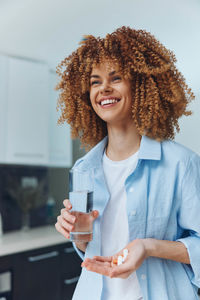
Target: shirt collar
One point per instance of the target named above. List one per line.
(150, 149)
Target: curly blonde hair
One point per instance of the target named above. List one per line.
(160, 94)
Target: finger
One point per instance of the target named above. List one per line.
(94, 215)
(61, 230)
(97, 263)
(68, 216)
(63, 223)
(101, 268)
(103, 258)
(89, 261)
(106, 270)
(67, 204)
(100, 263)
(121, 271)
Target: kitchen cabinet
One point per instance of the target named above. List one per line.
(42, 263)
(60, 143)
(70, 270)
(49, 273)
(3, 103)
(36, 275)
(6, 278)
(27, 113)
(29, 134)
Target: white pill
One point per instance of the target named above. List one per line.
(119, 260)
(125, 254)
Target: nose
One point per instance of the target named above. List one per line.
(105, 88)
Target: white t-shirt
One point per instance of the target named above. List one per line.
(115, 232)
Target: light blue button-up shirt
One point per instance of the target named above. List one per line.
(163, 202)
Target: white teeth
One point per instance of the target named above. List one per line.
(108, 101)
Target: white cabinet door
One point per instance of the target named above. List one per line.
(27, 113)
(3, 98)
(3, 102)
(60, 143)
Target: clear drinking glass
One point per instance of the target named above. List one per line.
(81, 198)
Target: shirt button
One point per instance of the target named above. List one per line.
(131, 189)
(143, 276)
(133, 212)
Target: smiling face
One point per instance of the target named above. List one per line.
(110, 94)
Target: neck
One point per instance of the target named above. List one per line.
(123, 141)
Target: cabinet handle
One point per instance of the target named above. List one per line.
(69, 250)
(31, 155)
(43, 256)
(72, 280)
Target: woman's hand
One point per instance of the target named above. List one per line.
(138, 251)
(104, 265)
(66, 221)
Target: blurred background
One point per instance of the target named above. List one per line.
(35, 153)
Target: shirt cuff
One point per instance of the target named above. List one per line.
(192, 243)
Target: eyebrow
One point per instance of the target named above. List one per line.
(97, 76)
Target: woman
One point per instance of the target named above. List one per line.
(124, 95)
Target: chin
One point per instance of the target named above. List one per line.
(108, 120)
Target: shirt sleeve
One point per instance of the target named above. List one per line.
(79, 252)
(189, 214)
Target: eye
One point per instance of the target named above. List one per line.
(95, 82)
(115, 78)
